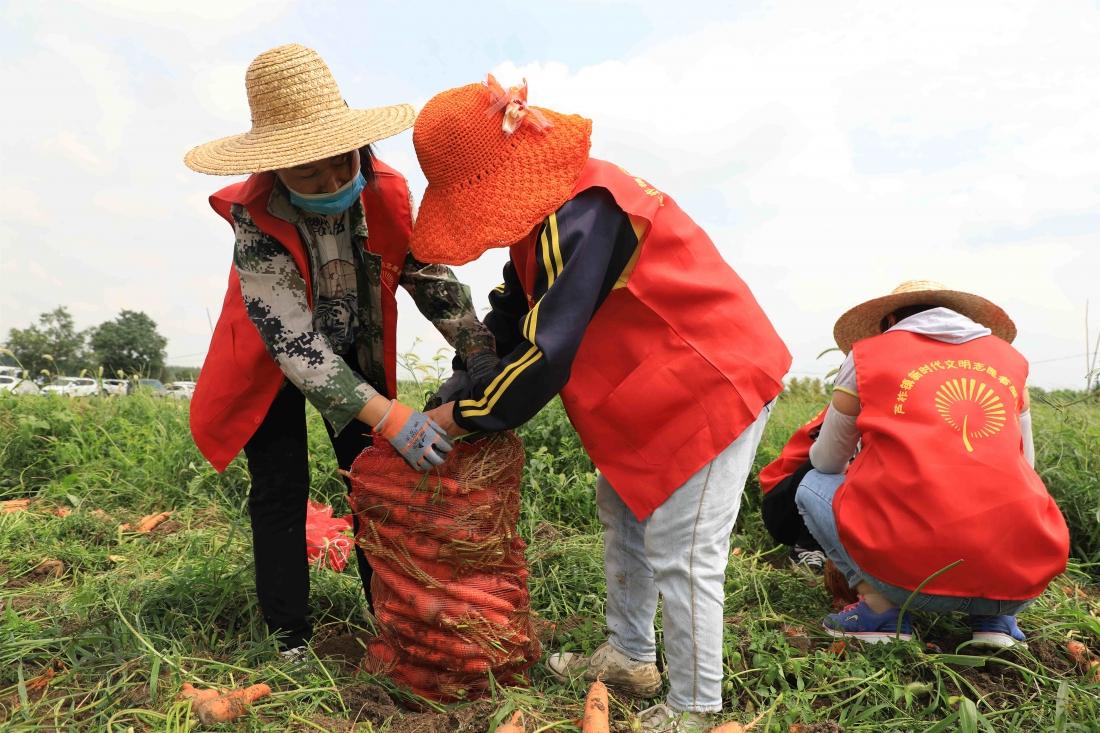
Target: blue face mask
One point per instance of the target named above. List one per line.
(336, 202)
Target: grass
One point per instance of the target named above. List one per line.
(132, 617)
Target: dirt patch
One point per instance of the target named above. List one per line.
(371, 704)
(1052, 655)
(346, 650)
(472, 718)
(165, 528)
(549, 632)
(44, 571)
(546, 532)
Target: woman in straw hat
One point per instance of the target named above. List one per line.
(942, 498)
(617, 300)
(322, 231)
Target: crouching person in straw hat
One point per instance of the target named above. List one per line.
(322, 231)
(941, 509)
(614, 298)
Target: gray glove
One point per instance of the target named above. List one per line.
(455, 386)
(416, 437)
(482, 367)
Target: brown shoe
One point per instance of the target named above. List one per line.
(631, 676)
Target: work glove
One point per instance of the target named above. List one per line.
(482, 367)
(454, 388)
(421, 442)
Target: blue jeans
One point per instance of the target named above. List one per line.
(815, 502)
(680, 552)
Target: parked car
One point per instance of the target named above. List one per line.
(116, 386)
(181, 390)
(17, 385)
(72, 387)
(151, 385)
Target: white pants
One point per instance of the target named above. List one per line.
(680, 551)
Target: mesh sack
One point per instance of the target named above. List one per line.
(450, 576)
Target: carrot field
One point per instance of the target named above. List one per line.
(101, 625)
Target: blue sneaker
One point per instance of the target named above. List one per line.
(996, 631)
(858, 621)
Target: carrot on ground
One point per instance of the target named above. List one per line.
(513, 724)
(229, 706)
(42, 681)
(151, 521)
(196, 694)
(11, 506)
(1078, 652)
(595, 709)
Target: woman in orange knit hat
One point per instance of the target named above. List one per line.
(614, 298)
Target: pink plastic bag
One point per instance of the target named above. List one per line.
(327, 545)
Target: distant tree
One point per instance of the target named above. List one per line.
(129, 344)
(53, 344)
(180, 374)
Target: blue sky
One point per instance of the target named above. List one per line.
(831, 149)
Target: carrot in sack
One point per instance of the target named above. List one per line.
(459, 590)
(438, 612)
(499, 651)
(595, 709)
(444, 660)
(491, 591)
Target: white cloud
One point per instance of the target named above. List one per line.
(833, 151)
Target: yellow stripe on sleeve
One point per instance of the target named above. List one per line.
(548, 263)
(845, 390)
(533, 351)
(640, 226)
(503, 388)
(530, 323)
(554, 243)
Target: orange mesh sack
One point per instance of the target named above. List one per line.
(450, 577)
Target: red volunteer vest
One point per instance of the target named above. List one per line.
(942, 476)
(794, 454)
(239, 379)
(674, 365)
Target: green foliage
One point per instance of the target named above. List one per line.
(172, 373)
(129, 345)
(53, 344)
(134, 616)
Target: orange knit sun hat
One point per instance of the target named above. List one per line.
(495, 169)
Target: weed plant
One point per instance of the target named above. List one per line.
(106, 643)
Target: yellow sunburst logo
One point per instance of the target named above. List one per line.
(972, 408)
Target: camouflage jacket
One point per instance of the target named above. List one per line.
(309, 344)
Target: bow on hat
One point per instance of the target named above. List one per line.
(514, 103)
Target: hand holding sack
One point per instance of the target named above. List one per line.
(415, 436)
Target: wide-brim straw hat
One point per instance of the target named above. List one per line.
(298, 116)
(488, 187)
(865, 319)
